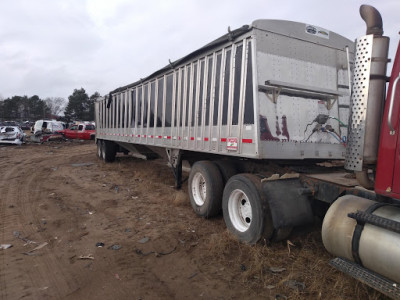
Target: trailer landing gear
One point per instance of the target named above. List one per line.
(175, 160)
(100, 149)
(109, 151)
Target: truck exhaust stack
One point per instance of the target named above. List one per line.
(369, 80)
(373, 19)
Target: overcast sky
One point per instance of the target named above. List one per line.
(51, 47)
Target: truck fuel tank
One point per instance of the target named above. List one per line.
(366, 232)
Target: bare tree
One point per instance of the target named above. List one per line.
(56, 105)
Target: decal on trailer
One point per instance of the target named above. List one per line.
(232, 144)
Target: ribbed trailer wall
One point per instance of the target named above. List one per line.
(202, 105)
(222, 98)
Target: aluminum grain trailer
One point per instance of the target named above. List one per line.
(274, 91)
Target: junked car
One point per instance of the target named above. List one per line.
(11, 135)
(45, 130)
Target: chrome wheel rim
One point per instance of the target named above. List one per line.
(199, 189)
(240, 212)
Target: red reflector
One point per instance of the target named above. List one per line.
(223, 140)
(247, 141)
(192, 138)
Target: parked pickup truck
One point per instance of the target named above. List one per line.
(80, 131)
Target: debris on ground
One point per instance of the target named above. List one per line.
(277, 269)
(270, 287)
(295, 285)
(289, 244)
(144, 240)
(99, 244)
(31, 253)
(17, 234)
(157, 254)
(89, 256)
(5, 246)
(115, 247)
(36, 248)
(40, 246)
(82, 164)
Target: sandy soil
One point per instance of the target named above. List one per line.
(58, 201)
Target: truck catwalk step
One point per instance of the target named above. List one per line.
(374, 280)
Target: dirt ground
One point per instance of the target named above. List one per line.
(58, 201)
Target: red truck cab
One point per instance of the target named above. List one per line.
(387, 180)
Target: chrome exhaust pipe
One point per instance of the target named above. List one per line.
(373, 19)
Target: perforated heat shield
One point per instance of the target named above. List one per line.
(359, 101)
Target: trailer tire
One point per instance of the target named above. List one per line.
(100, 149)
(205, 189)
(245, 209)
(109, 151)
(227, 169)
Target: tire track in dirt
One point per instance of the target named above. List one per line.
(5, 218)
(32, 282)
(24, 186)
(11, 218)
(29, 199)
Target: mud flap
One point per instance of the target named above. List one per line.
(289, 208)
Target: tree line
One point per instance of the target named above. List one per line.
(23, 108)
